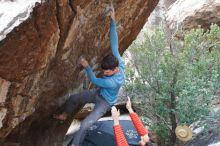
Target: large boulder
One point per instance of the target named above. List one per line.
(38, 62)
(188, 14)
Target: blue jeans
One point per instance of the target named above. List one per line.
(87, 96)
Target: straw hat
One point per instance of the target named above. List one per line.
(183, 133)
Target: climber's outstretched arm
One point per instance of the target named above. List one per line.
(114, 38)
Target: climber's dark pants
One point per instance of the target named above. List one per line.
(88, 96)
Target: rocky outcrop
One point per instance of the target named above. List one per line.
(192, 13)
(208, 138)
(10, 19)
(38, 62)
(159, 13)
(157, 17)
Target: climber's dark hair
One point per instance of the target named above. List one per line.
(109, 62)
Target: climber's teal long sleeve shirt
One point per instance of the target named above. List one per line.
(110, 85)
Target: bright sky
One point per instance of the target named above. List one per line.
(9, 10)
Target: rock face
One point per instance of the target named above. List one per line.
(38, 62)
(191, 13)
(208, 138)
(157, 17)
(159, 13)
(10, 19)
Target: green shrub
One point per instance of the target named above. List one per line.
(179, 79)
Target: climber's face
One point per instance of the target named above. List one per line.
(110, 72)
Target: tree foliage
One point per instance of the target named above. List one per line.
(190, 74)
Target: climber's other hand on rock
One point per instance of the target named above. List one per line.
(83, 62)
